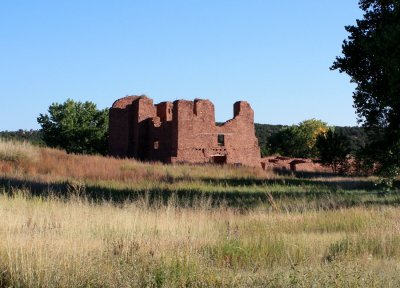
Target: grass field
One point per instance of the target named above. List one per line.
(89, 221)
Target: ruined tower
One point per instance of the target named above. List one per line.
(182, 131)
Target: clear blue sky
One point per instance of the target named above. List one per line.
(274, 54)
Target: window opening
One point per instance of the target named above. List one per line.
(156, 144)
(221, 140)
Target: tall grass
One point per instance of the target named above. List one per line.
(58, 164)
(44, 169)
(18, 152)
(301, 233)
(57, 243)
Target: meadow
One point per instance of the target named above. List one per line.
(91, 221)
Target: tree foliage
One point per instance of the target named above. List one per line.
(32, 136)
(268, 138)
(298, 140)
(356, 136)
(333, 149)
(371, 57)
(264, 132)
(76, 127)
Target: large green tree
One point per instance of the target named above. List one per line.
(76, 127)
(298, 140)
(334, 150)
(371, 57)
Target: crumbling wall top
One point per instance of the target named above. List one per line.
(123, 102)
(127, 100)
(242, 108)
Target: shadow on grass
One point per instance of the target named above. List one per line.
(349, 184)
(334, 199)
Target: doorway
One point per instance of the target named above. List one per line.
(218, 159)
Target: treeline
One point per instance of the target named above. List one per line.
(265, 134)
(31, 136)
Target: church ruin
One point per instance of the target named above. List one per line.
(182, 131)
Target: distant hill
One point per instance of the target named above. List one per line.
(263, 131)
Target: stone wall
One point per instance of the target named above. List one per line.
(182, 131)
(120, 131)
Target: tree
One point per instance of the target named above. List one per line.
(32, 136)
(334, 149)
(308, 132)
(298, 140)
(76, 127)
(266, 134)
(286, 142)
(263, 133)
(371, 57)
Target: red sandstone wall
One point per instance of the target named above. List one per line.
(198, 134)
(240, 139)
(143, 112)
(183, 131)
(195, 130)
(301, 164)
(120, 127)
(164, 111)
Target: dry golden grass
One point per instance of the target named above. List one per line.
(53, 243)
(60, 165)
(288, 241)
(18, 152)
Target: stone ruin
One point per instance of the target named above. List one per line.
(280, 163)
(182, 132)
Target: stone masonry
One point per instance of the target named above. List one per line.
(182, 132)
